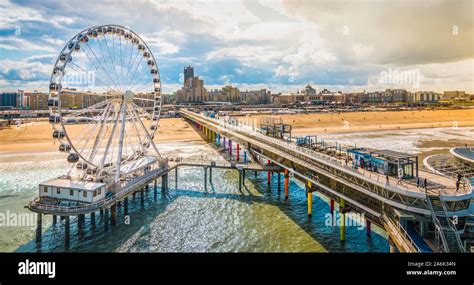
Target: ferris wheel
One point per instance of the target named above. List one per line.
(105, 101)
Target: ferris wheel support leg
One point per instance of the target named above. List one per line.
(120, 148)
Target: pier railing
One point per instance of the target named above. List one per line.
(311, 154)
(400, 234)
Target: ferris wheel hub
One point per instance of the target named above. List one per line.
(128, 96)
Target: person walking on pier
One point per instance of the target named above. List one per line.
(387, 179)
(458, 181)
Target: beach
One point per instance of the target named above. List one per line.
(349, 122)
(36, 136)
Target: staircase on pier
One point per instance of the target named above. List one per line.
(445, 228)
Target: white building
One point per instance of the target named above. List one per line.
(79, 191)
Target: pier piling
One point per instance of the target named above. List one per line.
(55, 220)
(176, 178)
(125, 205)
(39, 218)
(240, 180)
(238, 152)
(205, 179)
(92, 219)
(287, 183)
(332, 210)
(106, 219)
(343, 220)
(210, 174)
(310, 199)
(164, 182)
(279, 181)
(113, 215)
(66, 231)
(269, 174)
(80, 224)
(142, 197)
(368, 226)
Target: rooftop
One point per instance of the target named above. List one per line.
(464, 153)
(70, 184)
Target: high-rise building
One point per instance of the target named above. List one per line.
(37, 100)
(9, 100)
(193, 90)
(188, 73)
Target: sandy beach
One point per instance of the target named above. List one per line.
(36, 136)
(327, 123)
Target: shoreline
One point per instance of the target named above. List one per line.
(36, 136)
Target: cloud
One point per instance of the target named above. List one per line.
(344, 44)
(399, 32)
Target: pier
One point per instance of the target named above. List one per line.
(416, 219)
(386, 203)
(107, 208)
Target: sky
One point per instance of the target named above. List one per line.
(281, 45)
